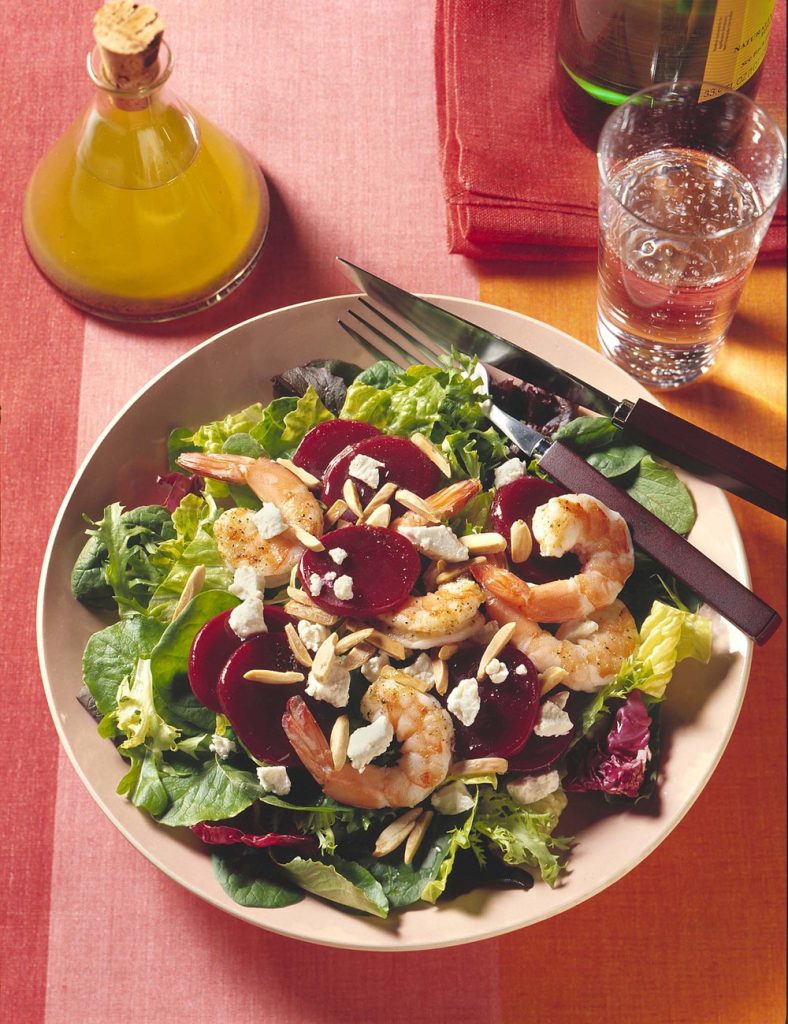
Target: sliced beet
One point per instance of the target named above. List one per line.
(519, 499)
(382, 564)
(403, 464)
(213, 645)
(540, 753)
(326, 440)
(255, 709)
(508, 710)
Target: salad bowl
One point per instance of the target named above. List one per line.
(227, 373)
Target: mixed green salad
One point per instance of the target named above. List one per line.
(208, 748)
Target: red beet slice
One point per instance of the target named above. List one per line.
(213, 645)
(403, 463)
(519, 499)
(255, 709)
(508, 710)
(327, 440)
(382, 564)
(540, 753)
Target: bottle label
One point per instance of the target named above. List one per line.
(738, 43)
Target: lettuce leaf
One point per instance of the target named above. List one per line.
(340, 881)
(135, 714)
(285, 421)
(524, 834)
(459, 839)
(616, 763)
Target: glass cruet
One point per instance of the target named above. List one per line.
(143, 210)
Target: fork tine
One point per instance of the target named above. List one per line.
(404, 353)
(431, 351)
(374, 351)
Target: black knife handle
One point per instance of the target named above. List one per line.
(705, 455)
(710, 582)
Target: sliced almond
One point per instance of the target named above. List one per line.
(433, 454)
(311, 613)
(484, 543)
(360, 654)
(521, 543)
(305, 477)
(351, 639)
(300, 653)
(380, 516)
(448, 651)
(551, 677)
(416, 504)
(350, 494)
(324, 657)
(480, 766)
(500, 639)
(295, 594)
(340, 734)
(381, 498)
(193, 585)
(396, 833)
(451, 574)
(416, 835)
(337, 510)
(308, 539)
(397, 675)
(387, 643)
(440, 676)
(269, 675)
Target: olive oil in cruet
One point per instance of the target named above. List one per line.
(143, 210)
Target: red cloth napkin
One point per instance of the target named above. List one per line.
(518, 183)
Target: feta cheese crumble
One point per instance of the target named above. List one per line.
(221, 746)
(338, 555)
(269, 521)
(365, 469)
(247, 582)
(497, 671)
(274, 779)
(312, 634)
(315, 584)
(334, 688)
(552, 721)
(248, 617)
(453, 798)
(530, 788)
(464, 702)
(343, 588)
(520, 670)
(369, 742)
(436, 542)
(421, 668)
(510, 470)
(370, 670)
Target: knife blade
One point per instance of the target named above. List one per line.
(705, 455)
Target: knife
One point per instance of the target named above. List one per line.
(705, 455)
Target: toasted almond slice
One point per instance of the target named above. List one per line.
(324, 657)
(521, 543)
(337, 510)
(448, 651)
(397, 675)
(381, 498)
(193, 585)
(295, 594)
(433, 454)
(440, 676)
(360, 654)
(300, 653)
(396, 833)
(551, 677)
(480, 766)
(268, 675)
(387, 643)
(500, 639)
(350, 494)
(451, 574)
(351, 639)
(305, 477)
(484, 543)
(416, 504)
(413, 841)
(340, 734)
(308, 539)
(311, 613)
(380, 516)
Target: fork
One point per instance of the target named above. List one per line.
(383, 338)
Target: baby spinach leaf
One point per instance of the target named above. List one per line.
(112, 654)
(252, 879)
(659, 490)
(587, 433)
(403, 884)
(617, 460)
(340, 881)
(149, 791)
(242, 443)
(209, 793)
(381, 374)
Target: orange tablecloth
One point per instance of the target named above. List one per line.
(331, 98)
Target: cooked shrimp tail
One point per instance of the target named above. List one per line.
(229, 468)
(447, 502)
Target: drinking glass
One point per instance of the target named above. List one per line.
(689, 177)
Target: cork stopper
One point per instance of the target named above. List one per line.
(128, 36)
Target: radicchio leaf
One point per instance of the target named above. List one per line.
(616, 764)
(540, 409)
(179, 485)
(227, 835)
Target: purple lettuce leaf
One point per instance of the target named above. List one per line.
(227, 835)
(615, 764)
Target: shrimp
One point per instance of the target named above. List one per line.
(422, 727)
(597, 535)
(444, 503)
(237, 536)
(591, 661)
(447, 615)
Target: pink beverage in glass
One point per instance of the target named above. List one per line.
(680, 228)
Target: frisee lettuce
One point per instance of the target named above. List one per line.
(524, 834)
